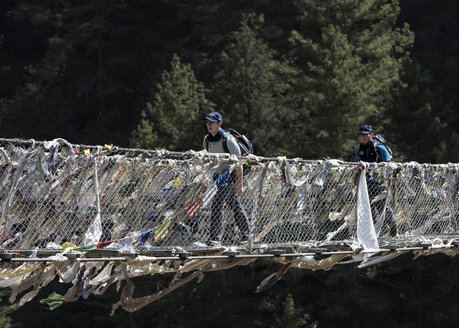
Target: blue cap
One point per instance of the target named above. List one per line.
(365, 129)
(214, 117)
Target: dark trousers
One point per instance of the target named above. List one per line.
(374, 189)
(227, 194)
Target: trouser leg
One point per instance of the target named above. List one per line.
(217, 214)
(240, 216)
(390, 221)
(373, 191)
(227, 194)
(377, 207)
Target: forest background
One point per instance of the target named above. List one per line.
(298, 77)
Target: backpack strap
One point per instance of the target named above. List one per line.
(225, 143)
(207, 142)
(378, 154)
(357, 153)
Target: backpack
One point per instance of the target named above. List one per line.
(379, 140)
(244, 144)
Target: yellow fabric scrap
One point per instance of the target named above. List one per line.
(69, 246)
(162, 230)
(6, 273)
(109, 147)
(87, 152)
(177, 183)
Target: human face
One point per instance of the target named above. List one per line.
(213, 127)
(365, 138)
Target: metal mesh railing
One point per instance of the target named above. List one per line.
(54, 193)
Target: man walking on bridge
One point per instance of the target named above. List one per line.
(374, 149)
(229, 185)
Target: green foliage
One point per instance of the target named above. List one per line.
(297, 77)
(417, 130)
(173, 120)
(5, 311)
(67, 85)
(349, 53)
(53, 301)
(250, 87)
(284, 313)
(306, 71)
(430, 84)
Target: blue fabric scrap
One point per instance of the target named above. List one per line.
(144, 237)
(223, 178)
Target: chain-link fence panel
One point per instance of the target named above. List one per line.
(55, 192)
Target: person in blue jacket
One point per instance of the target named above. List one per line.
(370, 150)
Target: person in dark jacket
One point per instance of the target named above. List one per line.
(371, 151)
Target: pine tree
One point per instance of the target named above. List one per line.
(282, 312)
(350, 55)
(249, 87)
(417, 131)
(172, 119)
(81, 68)
(435, 58)
(70, 84)
(6, 310)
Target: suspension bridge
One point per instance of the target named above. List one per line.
(96, 215)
